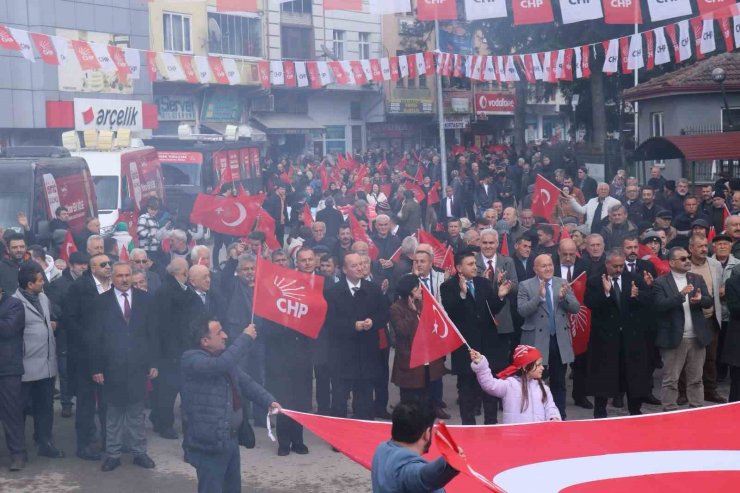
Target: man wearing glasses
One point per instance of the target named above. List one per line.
(77, 319)
(683, 334)
(140, 260)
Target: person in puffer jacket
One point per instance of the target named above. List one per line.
(525, 397)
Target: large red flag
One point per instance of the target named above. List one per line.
(436, 335)
(661, 266)
(678, 452)
(580, 323)
(454, 455)
(265, 223)
(359, 234)
(433, 196)
(290, 298)
(68, 247)
(440, 250)
(307, 217)
(418, 192)
(228, 215)
(545, 197)
(438, 9)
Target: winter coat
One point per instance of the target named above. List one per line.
(405, 322)
(12, 325)
(39, 344)
(509, 390)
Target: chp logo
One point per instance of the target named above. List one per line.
(291, 301)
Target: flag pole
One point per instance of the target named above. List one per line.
(440, 115)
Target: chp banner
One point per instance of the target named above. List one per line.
(680, 452)
(290, 298)
(580, 323)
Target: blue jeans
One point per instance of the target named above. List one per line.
(218, 473)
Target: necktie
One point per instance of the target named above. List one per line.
(596, 222)
(631, 266)
(126, 307)
(570, 274)
(354, 290)
(550, 307)
(617, 292)
(490, 270)
(428, 284)
(471, 288)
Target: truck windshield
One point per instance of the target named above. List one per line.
(181, 173)
(106, 189)
(11, 203)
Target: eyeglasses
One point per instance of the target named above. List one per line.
(681, 259)
(145, 261)
(104, 264)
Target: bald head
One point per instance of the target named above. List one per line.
(567, 251)
(200, 278)
(543, 267)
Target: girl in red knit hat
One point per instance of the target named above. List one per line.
(525, 397)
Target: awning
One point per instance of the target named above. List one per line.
(245, 131)
(690, 147)
(287, 123)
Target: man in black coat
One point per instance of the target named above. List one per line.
(617, 356)
(450, 206)
(356, 311)
(682, 342)
(125, 350)
(331, 217)
(289, 369)
(208, 304)
(78, 322)
(276, 205)
(12, 325)
(9, 265)
(175, 302)
(471, 302)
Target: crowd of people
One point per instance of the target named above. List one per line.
(131, 320)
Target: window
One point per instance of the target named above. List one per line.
(422, 81)
(296, 43)
(297, 6)
(656, 124)
(234, 35)
(176, 32)
(364, 46)
(335, 139)
(357, 137)
(338, 40)
(355, 110)
(106, 190)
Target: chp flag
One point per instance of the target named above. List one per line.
(290, 298)
(436, 335)
(545, 197)
(580, 323)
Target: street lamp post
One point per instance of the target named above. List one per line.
(718, 76)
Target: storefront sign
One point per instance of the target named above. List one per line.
(175, 108)
(457, 122)
(107, 114)
(221, 105)
(495, 103)
(180, 157)
(414, 106)
(391, 130)
(457, 102)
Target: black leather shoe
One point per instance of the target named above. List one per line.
(652, 400)
(110, 464)
(299, 448)
(143, 460)
(49, 450)
(584, 403)
(17, 462)
(618, 402)
(169, 434)
(441, 413)
(682, 400)
(88, 453)
(283, 451)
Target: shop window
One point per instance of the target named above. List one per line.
(234, 35)
(335, 139)
(176, 29)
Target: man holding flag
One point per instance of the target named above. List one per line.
(471, 303)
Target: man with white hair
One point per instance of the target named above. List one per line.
(95, 245)
(595, 209)
(140, 259)
(179, 245)
(386, 243)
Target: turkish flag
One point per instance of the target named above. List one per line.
(433, 196)
(454, 455)
(443, 10)
(290, 298)
(677, 452)
(307, 217)
(236, 5)
(68, 247)
(545, 197)
(229, 215)
(436, 335)
(359, 234)
(532, 12)
(580, 323)
(264, 222)
(661, 266)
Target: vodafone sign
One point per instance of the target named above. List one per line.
(495, 103)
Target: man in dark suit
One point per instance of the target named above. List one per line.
(682, 340)
(485, 194)
(586, 183)
(356, 311)
(523, 261)
(568, 266)
(331, 217)
(450, 206)
(471, 302)
(208, 304)
(123, 360)
(276, 205)
(617, 357)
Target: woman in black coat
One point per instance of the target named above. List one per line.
(731, 350)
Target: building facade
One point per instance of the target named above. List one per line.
(39, 100)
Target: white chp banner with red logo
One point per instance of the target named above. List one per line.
(107, 114)
(495, 103)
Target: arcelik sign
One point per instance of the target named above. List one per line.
(107, 114)
(495, 103)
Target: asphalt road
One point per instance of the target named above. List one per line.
(263, 471)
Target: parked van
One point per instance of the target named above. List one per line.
(191, 167)
(37, 180)
(123, 179)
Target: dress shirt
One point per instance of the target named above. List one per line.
(353, 287)
(120, 299)
(688, 324)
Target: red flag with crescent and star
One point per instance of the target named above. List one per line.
(68, 247)
(544, 197)
(580, 323)
(436, 335)
(229, 215)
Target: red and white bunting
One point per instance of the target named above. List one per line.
(489, 73)
(539, 71)
(611, 56)
(151, 64)
(421, 64)
(85, 55)
(457, 70)
(549, 60)
(104, 59)
(670, 31)
(289, 71)
(477, 67)
(635, 60)
(45, 48)
(511, 73)
(324, 73)
(703, 36)
(586, 61)
(119, 60)
(277, 73)
(301, 75)
(367, 70)
(395, 74)
(263, 70)
(725, 27)
(567, 65)
(186, 62)
(358, 73)
(624, 49)
(232, 71)
(650, 50)
(684, 41)
(376, 69)
(660, 10)
(313, 74)
(219, 72)
(7, 41)
(583, 10)
(622, 12)
(385, 69)
(172, 69)
(24, 43)
(403, 66)
(528, 69)
(205, 74)
(410, 64)
(61, 46)
(429, 62)
(347, 67)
